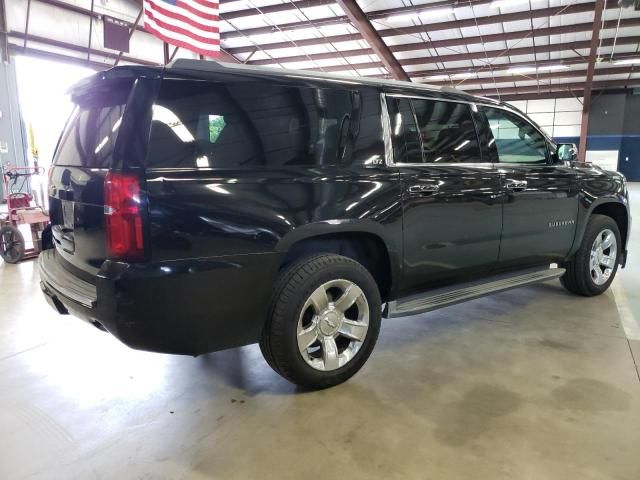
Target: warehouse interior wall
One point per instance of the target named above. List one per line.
(13, 142)
(613, 138)
(614, 127)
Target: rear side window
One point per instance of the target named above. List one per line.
(90, 135)
(432, 131)
(257, 124)
(447, 131)
(404, 131)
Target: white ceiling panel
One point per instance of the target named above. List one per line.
(458, 64)
(520, 25)
(72, 29)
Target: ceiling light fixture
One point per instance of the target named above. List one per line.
(547, 68)
(463, 75)
(521, 70)
(438, 77)
(544, 68)
(627, 61)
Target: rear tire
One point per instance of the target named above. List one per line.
(593, 267)
(11, 244)
(323, 321)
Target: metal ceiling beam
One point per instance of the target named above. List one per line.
(558, 87)
(491, 54)
(78, 48)
(361, 23)
(620, 70)
(452, 42)
(57, 57)
(558, 94)
(591, 65)
(375, 15)
(225, 56)
(388, 31)
(294, 6)
(281, 7)
(575, 60)
(418, 29)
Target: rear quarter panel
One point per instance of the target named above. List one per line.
(200, 213)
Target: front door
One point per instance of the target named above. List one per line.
(451, 199)
(540, 195)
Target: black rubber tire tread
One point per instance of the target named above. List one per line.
(18, 233)
(577, 278)
(292, 288)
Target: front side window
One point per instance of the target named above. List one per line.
(513, 139)
(447, 131)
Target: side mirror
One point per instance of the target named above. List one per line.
(567, 152)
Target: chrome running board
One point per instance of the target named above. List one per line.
(443, 297)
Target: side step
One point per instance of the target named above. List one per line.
(443, 297)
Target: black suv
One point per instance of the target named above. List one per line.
(200, 207)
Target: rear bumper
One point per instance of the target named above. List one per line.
(186, 307)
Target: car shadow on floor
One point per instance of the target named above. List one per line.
(244, 368)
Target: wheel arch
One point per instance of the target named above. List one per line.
(359, 241)
(611, 207)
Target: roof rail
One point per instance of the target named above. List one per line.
(214, 66)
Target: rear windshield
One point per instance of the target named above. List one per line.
(257, 124)
(90, 135)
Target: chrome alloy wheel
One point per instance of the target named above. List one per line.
(333, 325)
(603, 257)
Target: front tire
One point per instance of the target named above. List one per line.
(323, 321)
(593, 267)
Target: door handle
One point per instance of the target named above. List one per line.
(424, 188)
(515, 185)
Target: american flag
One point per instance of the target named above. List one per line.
(192, 24)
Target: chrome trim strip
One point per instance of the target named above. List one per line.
(435, 98)
(386, 132)
(387, 123)
(444, 297)
(65, 283)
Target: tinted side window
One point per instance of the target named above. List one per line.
(512, 139)
(90, 135)
(448, 132)
(256, 124)
(404, 132)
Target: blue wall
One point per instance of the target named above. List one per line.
(614, 124)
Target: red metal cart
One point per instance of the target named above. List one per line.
(20, 212)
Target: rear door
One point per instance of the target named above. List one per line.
(540, 196)
(86, 152)
(451, 196)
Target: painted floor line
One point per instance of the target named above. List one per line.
(629, 321)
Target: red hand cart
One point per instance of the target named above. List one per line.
(20, 212)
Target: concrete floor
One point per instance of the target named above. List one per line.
(529, 384)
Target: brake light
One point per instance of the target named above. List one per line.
(123, 217)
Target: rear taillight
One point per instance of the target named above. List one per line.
(123, 216)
